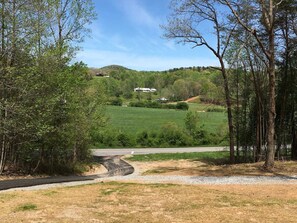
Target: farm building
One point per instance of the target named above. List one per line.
(139, 89)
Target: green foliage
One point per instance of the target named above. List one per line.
(175, 85)
(116, 102)
(182, 106)
(203, 156)
(48, 108)
(191, 121)
(172, 135)
(124, 140)
(216, 109)
(155, 104)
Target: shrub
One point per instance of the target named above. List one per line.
(216, 109)
(182, 106)
(116, 102)
(108, 138)
(142, 138)
(172, 135)
(169, 106)
(148, 139)
(191, 121)
(137, 104)
(201, 137)
(124, 140)
(153, 104)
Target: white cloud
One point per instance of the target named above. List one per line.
(138, 14)
(117, 42)
(97, 58)
(170, 44)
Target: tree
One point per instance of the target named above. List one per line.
(68, 21)
(45, 119)
(263, 31)
(185, 25)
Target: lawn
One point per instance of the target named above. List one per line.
(127, 202)
(133, 120)
(201, 156)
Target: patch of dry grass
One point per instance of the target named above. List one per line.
(123, 202)
(197, 168)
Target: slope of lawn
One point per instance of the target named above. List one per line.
(132, 120)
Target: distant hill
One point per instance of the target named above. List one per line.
(107, 69)
(114, 67)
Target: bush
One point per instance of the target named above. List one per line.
(155, 104)
(169, 106)
(142, 138)
(173, 135)
(182, 106)
(137, 104)
(148, 139)
(146, 104)
(124, 140)
(216, 109)
(201, 137)
(116, 102)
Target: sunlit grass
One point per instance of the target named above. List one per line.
(133, 120)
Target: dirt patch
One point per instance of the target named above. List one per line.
(122, 202)
(193, 99)
(197, 168)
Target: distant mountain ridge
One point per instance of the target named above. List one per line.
(106, 70)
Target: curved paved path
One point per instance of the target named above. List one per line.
(120, 170)
(110, 159)
(114, 164)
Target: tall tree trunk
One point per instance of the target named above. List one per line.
(229, 111)
(269, 163)
(2, 90)
(294, 141)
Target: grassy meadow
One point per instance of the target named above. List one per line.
(133, 120)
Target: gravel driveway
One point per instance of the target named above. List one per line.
(205, 180)
(195, 180)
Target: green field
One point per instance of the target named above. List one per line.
(132, 120)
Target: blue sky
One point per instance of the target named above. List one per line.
(128, 33)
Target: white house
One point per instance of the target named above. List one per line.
(142, 89)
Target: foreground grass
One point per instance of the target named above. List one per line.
(132, 120)
(217, 157)
(123, 202)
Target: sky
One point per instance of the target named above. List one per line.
(128, 33)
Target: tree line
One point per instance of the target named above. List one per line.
(47, 106)
(255, 43)
(177, 84)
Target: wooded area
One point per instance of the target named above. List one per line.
(47, 106)
(51, 109)
(257, 41)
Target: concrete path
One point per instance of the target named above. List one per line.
(114, 164)
(135, 151)
(110, 159)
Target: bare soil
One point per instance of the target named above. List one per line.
(197, 168)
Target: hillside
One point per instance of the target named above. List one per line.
(108, 69)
